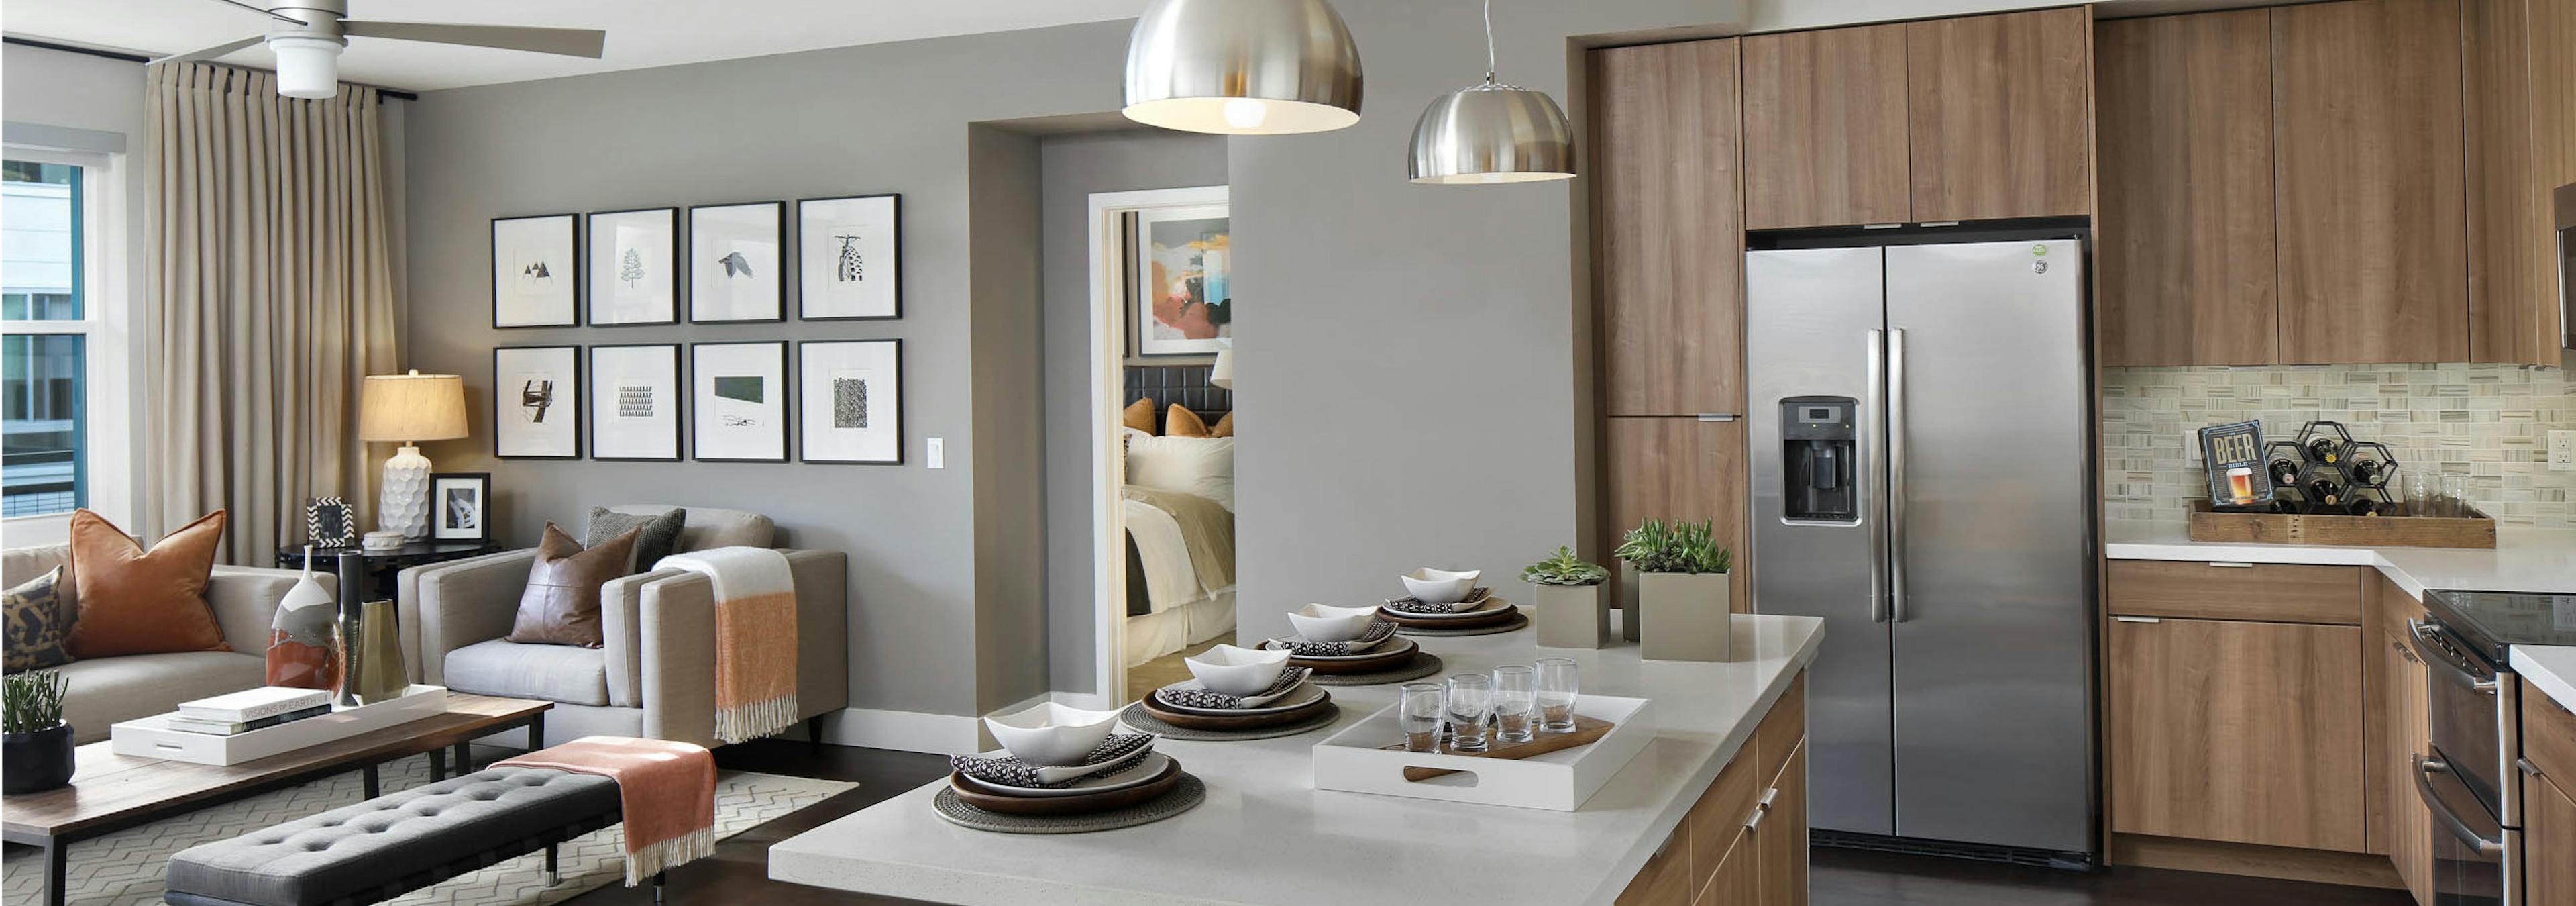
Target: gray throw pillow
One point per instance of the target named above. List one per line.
(38, 621)
(658, 536)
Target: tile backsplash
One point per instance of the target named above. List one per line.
(2489, 422)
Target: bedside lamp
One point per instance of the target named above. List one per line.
(404, 409)
(1221, 374)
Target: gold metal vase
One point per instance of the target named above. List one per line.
(371, 646)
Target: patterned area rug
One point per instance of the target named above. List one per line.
(125, 868)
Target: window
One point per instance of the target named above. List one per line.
(51, 332)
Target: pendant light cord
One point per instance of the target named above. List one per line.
(1489, 41)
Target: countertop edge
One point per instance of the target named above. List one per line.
(2551, 668)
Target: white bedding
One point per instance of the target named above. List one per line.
(1185, 609)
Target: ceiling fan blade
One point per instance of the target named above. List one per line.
(273, 14)
(209, 53)
(570, 42)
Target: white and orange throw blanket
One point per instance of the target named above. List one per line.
(666, 794)
(755, 637)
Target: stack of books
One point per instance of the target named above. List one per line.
(247, 710)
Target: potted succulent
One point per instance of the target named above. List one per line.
(1682, 598)
(36, 750)
(1571, 613)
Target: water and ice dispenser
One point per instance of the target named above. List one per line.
(1819, 459)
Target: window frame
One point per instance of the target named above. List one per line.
(110, 456)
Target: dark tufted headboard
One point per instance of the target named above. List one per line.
(1183, 385)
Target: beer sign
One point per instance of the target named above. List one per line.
(2237, 473)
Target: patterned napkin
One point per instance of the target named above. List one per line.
(1378, 631)
(1410, 604)
(1219, 701)
(1112, 755)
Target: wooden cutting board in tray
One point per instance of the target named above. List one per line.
(1586, 731)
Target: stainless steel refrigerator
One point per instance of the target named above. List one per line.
(1922, 480)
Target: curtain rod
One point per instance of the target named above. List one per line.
(132, 58)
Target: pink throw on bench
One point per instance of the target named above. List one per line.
(667, 791)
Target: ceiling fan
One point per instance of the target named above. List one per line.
(308, 36)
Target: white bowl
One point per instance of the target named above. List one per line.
(1323, 623)
(1440, 586)
(1237, 671)
(1052, 735)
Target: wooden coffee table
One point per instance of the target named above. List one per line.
(111, 792)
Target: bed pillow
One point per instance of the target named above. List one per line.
(1182, 422)
(1138, 415)
(1191, 465)
(1224, 426)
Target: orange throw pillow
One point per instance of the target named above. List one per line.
(1224, 426)
(133, 601)
(1184, 423)
(1138, 415)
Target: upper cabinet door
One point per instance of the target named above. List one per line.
(2186, 246)
(1668, 267)
(2367, 152)
(2521, 118)
(2000, 114)
(1824, 128)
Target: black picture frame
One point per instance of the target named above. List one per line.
(679, 396)
(679, 272)
(440, 515)
(901, 439)
(689, 271)
(802, 313)
(786, 403)
(579, 389)
(572, 240)
(330, 522)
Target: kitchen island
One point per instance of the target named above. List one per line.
(1266, 835)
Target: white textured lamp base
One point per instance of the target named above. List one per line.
(403, 505)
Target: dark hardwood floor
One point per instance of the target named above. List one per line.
(739, 872)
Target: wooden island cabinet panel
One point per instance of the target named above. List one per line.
(2235, 731)
(1744, 841)
(1999, 115)
(1668, 265)
(2401, 721)
(2549, 814)
(1824, 128)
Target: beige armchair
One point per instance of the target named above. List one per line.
(654, 676)
(109, 690)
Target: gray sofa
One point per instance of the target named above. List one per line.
(654, 676)
(108, 690)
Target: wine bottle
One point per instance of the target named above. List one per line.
(2285, 474)
(2363, 472)
(2324, 493)
(2361, 506)
(2324, 450)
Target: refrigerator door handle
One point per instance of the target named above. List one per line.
(1874, 463)
(1896, 474)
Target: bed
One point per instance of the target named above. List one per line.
(1178, 505)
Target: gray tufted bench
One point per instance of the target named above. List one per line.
(386, 846)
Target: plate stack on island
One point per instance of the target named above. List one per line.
(1238, 693)
(1440, 602)
(1063, 770)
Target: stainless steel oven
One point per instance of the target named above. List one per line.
(2466, 774)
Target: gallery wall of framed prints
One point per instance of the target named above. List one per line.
(712, 400)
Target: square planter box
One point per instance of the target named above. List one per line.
(1571, 616)
(1685, 616)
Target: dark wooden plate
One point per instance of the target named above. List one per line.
(1501, 614)
(1234, 722)
(1398, 652)
(989, 798)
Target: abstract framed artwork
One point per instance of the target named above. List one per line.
(534, 273)
(736, 259)
(850, 394)
(635, 267)
(1183, 304)
(635, 402)
(849, 257)
(738, 410)
(536, 402)
(460, 506)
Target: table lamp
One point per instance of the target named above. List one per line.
(404, 409)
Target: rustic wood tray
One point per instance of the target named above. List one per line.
(1587, 730)
(2396, 529)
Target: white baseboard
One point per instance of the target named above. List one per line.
(937, 734)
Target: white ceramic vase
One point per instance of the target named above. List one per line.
(1686, 616)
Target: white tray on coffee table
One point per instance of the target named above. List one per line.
(1356, 760)
(148, 737)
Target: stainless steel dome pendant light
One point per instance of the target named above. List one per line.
(1492, 132)
(1243, 67)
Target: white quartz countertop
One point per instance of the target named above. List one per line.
(1266, 835)
(2549, 668)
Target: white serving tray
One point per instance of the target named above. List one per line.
(1355, 760)
(149, 738)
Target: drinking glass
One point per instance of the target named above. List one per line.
(2455, 495)
(1471, 699)
(2422, 490)
(1559, 681)
(1515, 701)
(1419, 713)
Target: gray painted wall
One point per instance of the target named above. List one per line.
(1072, 168)
(1010, 446)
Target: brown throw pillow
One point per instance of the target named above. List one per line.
(561, 605)
(1184, 423)
(1224, 426)
(1138, 415)
(132, 601)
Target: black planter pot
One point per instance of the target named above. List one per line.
(32, 762)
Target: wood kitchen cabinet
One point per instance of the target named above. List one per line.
(1745, 841)
(2186, 254)
(2369, 192)
(1676, 469)
(1999, 115)
(2404, 727)
(2549, 813)
(1668, 261)
(1824, 128)
(2520, 117)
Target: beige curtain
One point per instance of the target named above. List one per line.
(269, 280)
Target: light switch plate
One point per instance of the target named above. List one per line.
(2562, 451)
(938, 454)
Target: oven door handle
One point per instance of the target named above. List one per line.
(2424, 768)
(2420, 636)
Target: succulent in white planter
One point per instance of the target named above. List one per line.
(1570, 611)
(1683, 601)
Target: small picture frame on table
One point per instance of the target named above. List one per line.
(460, 506)
(329, 523)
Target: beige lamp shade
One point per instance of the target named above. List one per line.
(412, 407)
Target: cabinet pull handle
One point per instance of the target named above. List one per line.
(1717, 416)
(1754, 822)
(1769, 796)
(2527, 767)
(2230, 564)
(2137, 619)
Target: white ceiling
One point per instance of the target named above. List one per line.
(641, 33)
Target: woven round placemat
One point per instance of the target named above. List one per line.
(1517, 621)
(1135, 716)
(1187, 795)
(1423, 664)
